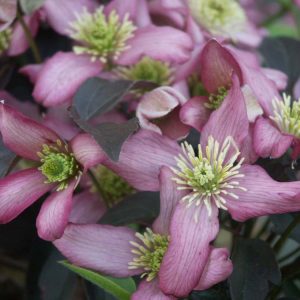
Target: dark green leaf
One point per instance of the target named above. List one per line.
(139, 207)
(218, 292)
(6, 159)
(29, 6)
(97, 96)
(282, 54)
(109, 136)
(121, 288)
(254, 267)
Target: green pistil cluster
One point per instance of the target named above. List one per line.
(220, 17)
(113, 187)
(287, 115)
(149, 253)
(148, 69)
(195, 86)
(102, 37)
(5, 37)
(57, 164)
(216, 99)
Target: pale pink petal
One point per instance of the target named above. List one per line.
(217, 65)
(19, 190)
(60, 14)
(54, 214)
(169, 197)
(249, 36)
(230, 119)
(194, 113)
(174, 47)
(194, 30)
(248, 58)
(87, 208)
(268, 141)
(22, 135)
(18, 42)
(141, 158)
(264, 196)
(8, 12)
(86, 150)
(278, 77)
(189, 248)
(149, 290)
(247, 147)
(102, 248)
(31, 71)
(61, 76)
(217, 269)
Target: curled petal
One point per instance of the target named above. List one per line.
(31, 71)
(102, 248)
(278, 77)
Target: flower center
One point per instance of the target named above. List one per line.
(113, 187)
(215, 99)
(148, 69)
(210, 175)
(57, 164)
(102, 37)
(5, 37)
(287, 115)
(149, 253)
(220, 17)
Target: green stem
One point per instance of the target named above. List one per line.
(263, 228)
(277, 247)
(30, 39)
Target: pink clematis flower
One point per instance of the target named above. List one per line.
(59, 167)
(127, 253)
(126, 38)
(214, 178)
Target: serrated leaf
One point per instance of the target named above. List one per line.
(97, 96)
(121, 288)
(282, 53)
(254, 267)
(29, 6)
(6, 159)
(142, 206)
(109, 136)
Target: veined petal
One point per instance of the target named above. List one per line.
(264, 196)
(217, 269)
(19, 190)
(61, 76)
(174, 47)
(141, 158)
(54, 214)
(189, 248)
(102, 248)
(278, 77)
(22, 135)
(86, 150)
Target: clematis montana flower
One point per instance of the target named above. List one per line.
(59, 168)
(108, 37)
(213, 177)
(127, 253)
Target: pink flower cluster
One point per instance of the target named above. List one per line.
(209, 78)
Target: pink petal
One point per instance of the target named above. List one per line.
(264, 196)
(174, 47)
(218, 268)
(61, 76)
(19, 190)
(230, 119)
(194, 113)
(217, 65)
(278, 77)
(54, 214)
(169, 197)
(86, 150)
(60, 14)
(31, 71)
(247, 148)
(188, 251)
(149, 290)
(102, 248)
(8, 12)
(22, 135)
(19, 43)
(268, 141)
(141, 158)
(87, 208)
(250, 36)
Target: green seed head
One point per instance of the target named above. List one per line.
(5, 37)
(149, 253)
(215, 100)
(100, 36)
